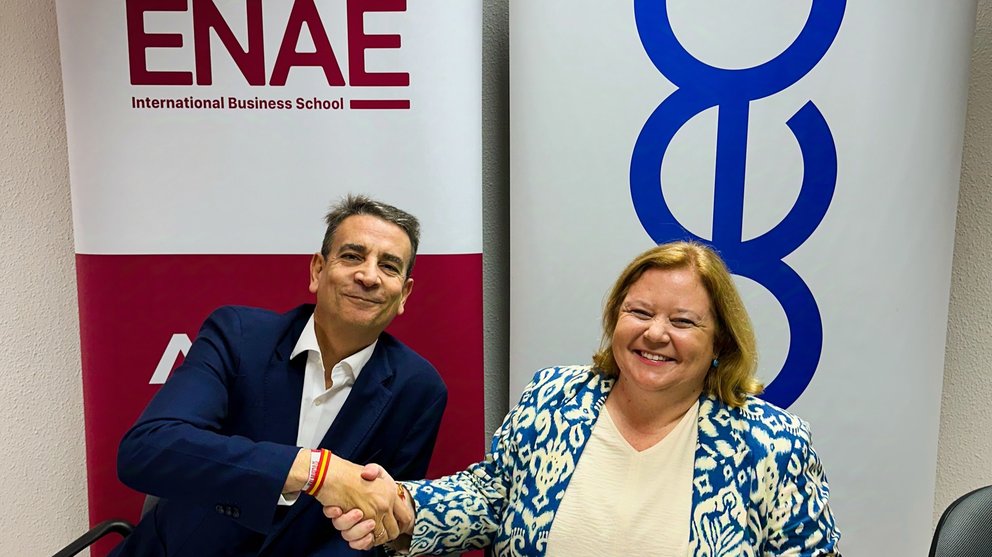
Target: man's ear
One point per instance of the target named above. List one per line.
(407, 289)
(316, 266)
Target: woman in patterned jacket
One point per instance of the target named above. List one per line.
(659, 448)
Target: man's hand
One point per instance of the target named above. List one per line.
(361, 533)
(374, 493)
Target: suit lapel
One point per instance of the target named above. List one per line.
(370, 395)
(350, 430)
(283, 384)
(719, 514)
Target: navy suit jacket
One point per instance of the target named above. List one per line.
(218, 439)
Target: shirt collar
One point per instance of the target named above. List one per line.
(353, 364)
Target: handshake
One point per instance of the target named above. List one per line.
(365, 504)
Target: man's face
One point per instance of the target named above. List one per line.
(362, 284)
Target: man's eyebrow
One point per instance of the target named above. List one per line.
(393, 259)
(353, 247)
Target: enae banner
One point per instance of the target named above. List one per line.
(816, 145)
(207, 139)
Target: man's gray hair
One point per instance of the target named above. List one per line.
(363, 205)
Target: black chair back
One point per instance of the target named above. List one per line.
(115, 526)
(121, 527)
(965, 528)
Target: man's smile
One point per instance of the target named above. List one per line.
(364, 299)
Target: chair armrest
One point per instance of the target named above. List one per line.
(121, 527)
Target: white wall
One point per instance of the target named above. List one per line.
(964, 457)
(41, 410)
(44, 490)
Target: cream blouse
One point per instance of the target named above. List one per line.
(624, 502)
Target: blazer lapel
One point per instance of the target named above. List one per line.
(572, 423)
(718, 519)
(350, 430)
(370, 395)
(283, 384)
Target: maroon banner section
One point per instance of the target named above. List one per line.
(135, 309)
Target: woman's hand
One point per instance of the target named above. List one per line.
(355, 530)
(362, 533)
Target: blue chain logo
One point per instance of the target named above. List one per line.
(700, 87)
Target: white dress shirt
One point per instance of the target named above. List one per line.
(319, 405)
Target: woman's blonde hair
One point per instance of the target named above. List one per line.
(734, 378)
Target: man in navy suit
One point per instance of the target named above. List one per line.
(227, 442)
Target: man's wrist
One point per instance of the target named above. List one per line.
(298, 472)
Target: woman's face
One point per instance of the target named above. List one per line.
(665, 333)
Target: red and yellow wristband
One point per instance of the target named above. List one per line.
(320, 460)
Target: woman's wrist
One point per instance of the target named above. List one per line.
(405, 518)
(410, 511)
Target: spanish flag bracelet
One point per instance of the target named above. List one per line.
(320, 459)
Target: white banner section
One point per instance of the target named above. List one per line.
(816, 144)
(231, 114)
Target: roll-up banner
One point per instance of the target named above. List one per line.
(816, 145)
(207, 139)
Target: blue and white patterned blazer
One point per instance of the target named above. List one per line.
(758, 486)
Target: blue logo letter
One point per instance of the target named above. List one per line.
(701, 86)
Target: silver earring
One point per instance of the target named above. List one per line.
(716, 362)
